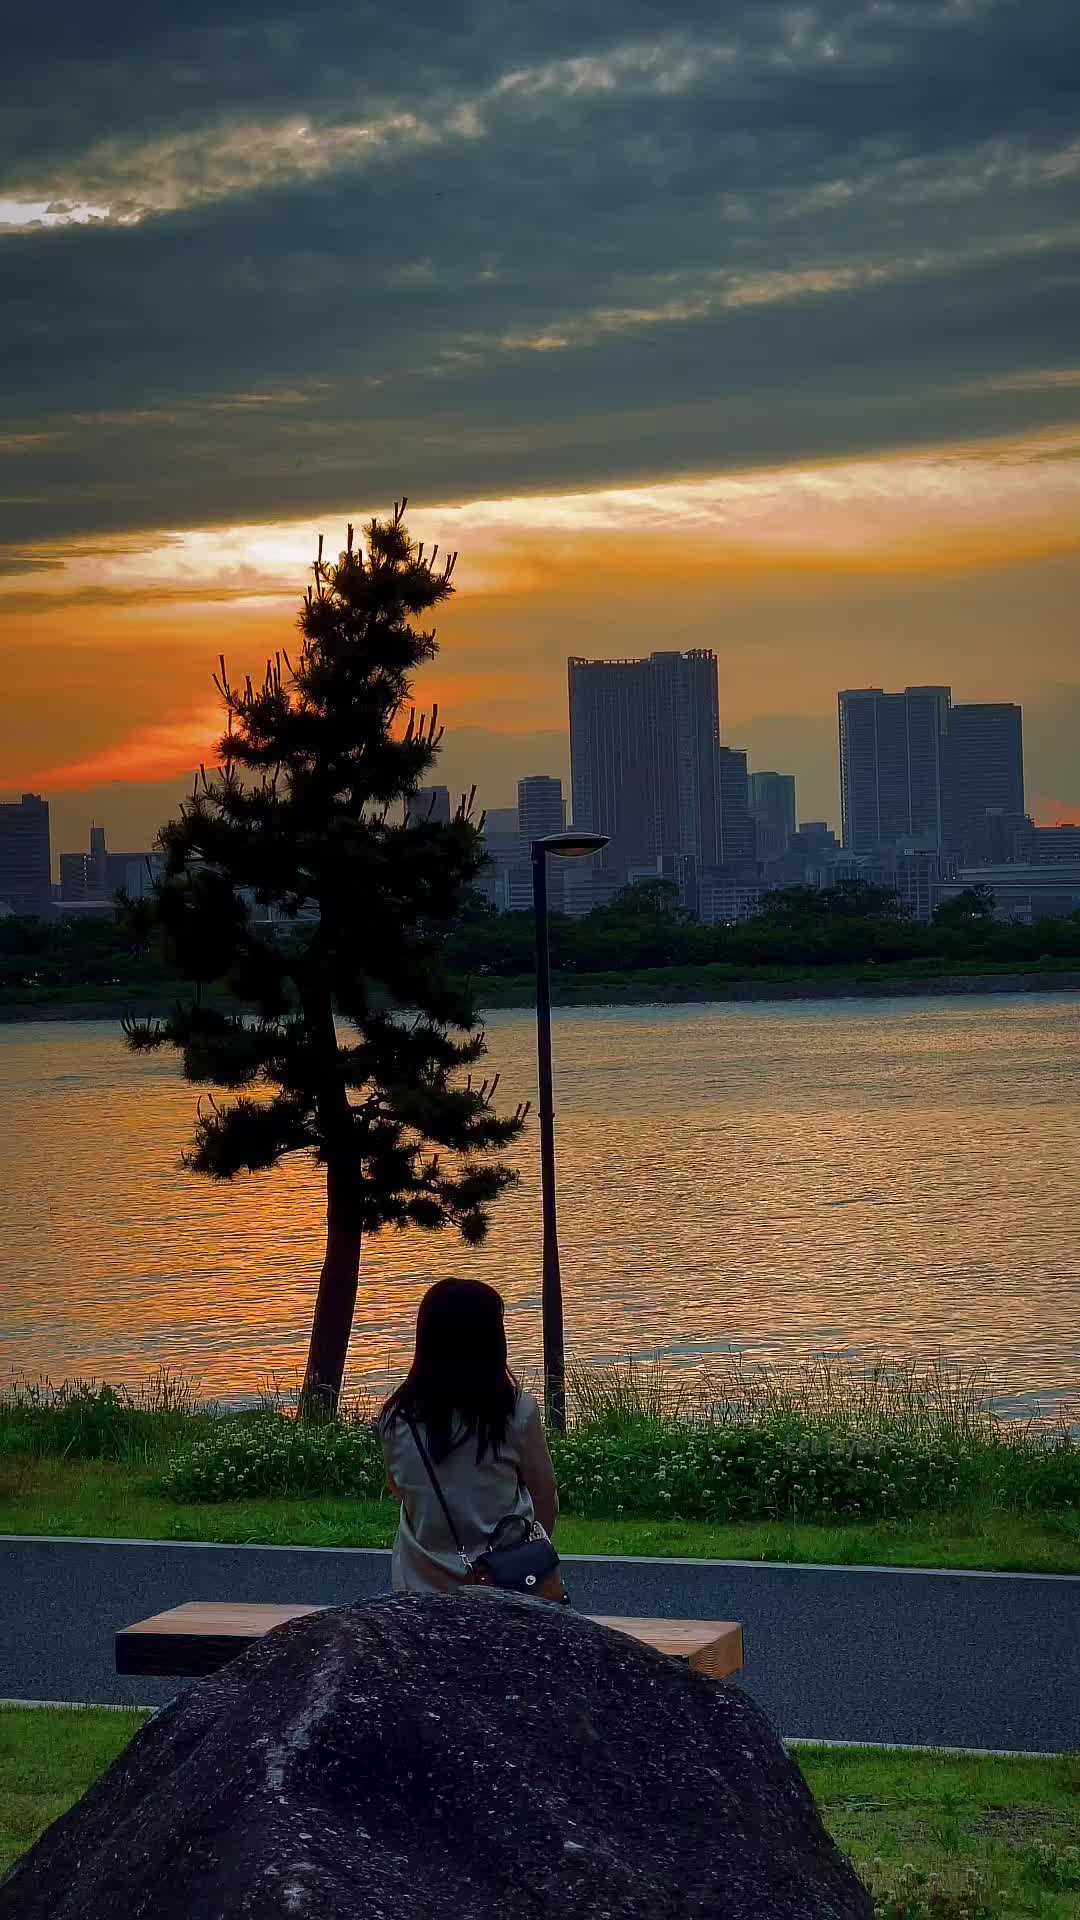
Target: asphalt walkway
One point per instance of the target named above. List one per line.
(833, 1653)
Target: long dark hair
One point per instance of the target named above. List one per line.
(459, 1377)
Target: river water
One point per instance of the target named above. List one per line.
(859, 1177)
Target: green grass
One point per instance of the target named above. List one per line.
(48, 1758)
(726, 980)
(68, 1497)
(656, 1463)
(1011, 1822)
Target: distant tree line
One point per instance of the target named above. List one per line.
(798, 926)
(86, 952)
(643, 927)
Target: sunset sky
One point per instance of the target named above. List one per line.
(740, 325)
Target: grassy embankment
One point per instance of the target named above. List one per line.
(904, 1467)
(672, 986)
(642, 986)
(938, 1837)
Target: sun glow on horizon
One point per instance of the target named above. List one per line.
(927, 515)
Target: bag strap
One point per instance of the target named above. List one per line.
(439, 1494)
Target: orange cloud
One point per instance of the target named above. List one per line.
(1055, 813)
(149, 753)
(955, 563)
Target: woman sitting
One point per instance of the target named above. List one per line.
(461, 1405)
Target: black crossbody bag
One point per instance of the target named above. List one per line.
(518, 1556)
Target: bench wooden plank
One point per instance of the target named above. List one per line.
(201, 1635)
(714, 1647)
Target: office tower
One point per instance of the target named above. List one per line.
(983, 778)
(772, 808)
(73, 876)
(540, 806)
(505, 879)
(500, 820)
(813, 850)
(142, 871)
(101, 875)
(97, 866)
(643, 756)
(26, 855)
(1048, 846)
(916, 881)
(541, 812)
(818, 837)
(431, 803)
(890, 766)
(736, 821)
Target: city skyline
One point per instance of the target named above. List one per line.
(73, 817)
(754, 335)
(929, 788)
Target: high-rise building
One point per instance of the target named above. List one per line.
(643, 755)
(891, 766)
(1048, 846)
(97, 866)
(982, 778)
(736, 821)
(540, 812)
(540, 806)
(917, 879)
(26, 855)
(431, 803)
(505, 879)
(500, 820)
(99, 875)
(73, 877)
(772, 808)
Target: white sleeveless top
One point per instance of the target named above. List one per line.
(478, 1493)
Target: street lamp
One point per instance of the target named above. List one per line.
(572, 845)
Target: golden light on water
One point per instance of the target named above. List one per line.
(779, 1180)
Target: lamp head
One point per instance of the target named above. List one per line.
(571, 845)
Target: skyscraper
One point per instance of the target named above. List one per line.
(540, 806)
(983, 778)
(100, 875)
(890, 766)
(97, 866)
(772, 808)
(26, 855)
(540, 811)
(644, 736)
(737, 839)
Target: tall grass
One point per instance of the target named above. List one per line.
(825, 1438)
(914, 1398)
(843, 1438)
(90, 1420)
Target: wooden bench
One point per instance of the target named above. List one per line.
(202, 1635)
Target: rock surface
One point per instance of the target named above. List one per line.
(436, 1758)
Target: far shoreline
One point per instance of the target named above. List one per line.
(681, 987)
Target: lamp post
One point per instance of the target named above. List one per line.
(572, 845)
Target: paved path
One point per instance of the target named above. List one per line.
(833, 1653)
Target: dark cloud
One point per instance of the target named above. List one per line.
(78, 74)
(688, 235)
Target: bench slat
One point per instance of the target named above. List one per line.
(201, 1635)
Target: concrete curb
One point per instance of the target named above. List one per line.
(585, 1559)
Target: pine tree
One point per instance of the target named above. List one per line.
(312, 812)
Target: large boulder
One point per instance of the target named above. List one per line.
(438, 1758)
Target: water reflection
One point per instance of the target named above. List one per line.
(894, 1177)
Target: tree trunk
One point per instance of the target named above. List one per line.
(335, 1302)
